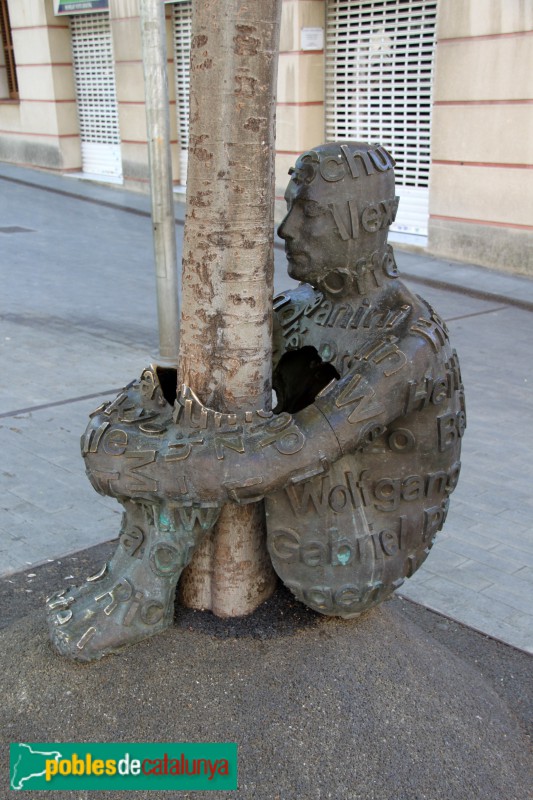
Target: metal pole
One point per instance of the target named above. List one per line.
(154, 49)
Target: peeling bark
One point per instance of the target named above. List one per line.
(225, 347)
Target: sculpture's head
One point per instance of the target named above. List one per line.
(340, 204)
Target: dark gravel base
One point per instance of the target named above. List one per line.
(400, 703)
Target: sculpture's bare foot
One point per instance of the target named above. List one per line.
(132, 597)
(88, 624)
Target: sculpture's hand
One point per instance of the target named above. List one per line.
(192, 454)
(262, 455)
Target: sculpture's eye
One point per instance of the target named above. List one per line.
(313, 209)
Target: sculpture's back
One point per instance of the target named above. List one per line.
(344, 539)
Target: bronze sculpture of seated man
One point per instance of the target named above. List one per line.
(356, 463)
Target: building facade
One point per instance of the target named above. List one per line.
(443, 84)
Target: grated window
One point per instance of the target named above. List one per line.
(9, 87)
(379, 79)
(182, 14)
(94, 74)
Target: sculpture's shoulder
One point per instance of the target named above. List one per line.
(296, 298)
(288, 307)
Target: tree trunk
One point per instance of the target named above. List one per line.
(225, 349)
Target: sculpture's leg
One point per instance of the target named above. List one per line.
(132, 596)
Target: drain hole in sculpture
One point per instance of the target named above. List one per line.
(168, 377)
(299, 377)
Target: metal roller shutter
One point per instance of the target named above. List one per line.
(379, 78)
(96, 95)
(182, 13)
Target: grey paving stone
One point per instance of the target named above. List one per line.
(466, 574)
(501, 630)
(11, 502)
(11, 563)
(509, 584)
(525, 556)
(522, 621)
(22, 553)
(514, 592)
(470, 608)
(457, 596)
(489, 502)
(526, 574)
(517, 514)
(466, 534)
(420, 577)
(442, 561)
(473, 516)
(466, 275)
(472, 551)
(508, 535)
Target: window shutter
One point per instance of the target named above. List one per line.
(9, 55)
(96, 94)
(182, 13)
(379, 78)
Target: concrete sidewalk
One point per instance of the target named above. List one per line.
(78, 321)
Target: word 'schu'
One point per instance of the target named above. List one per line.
(356, 464)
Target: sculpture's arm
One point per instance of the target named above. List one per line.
(200, 456)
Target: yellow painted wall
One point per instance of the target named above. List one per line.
(127, 51)
(481, 189)
(41, 129)
(300, 110)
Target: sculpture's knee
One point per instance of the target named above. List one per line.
(122, 439)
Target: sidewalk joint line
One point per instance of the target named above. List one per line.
(28, 410)
(436, 284)
(477, 313)
(476, 294)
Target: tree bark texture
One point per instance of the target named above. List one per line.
(225, 348)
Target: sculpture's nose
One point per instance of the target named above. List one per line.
(284, 231)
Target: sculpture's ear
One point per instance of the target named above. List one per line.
(306, 168)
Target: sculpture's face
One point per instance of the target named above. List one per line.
(313, 242)
(340, 202)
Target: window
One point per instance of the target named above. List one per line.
(182, 14)
(94, 73)
(379, 81)
(8, 73)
